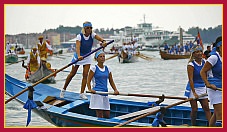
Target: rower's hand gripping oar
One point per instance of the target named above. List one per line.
(140, 95)
(153, 112)
(43, 79)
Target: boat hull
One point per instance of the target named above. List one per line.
(166, 56)
(127, 58)
(11, 58)
(71, 111)
(42, 72)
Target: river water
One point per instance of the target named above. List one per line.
(156, 77)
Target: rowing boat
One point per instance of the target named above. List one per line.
(71, 111)
(11, 58)
(127, 57)
(42, 72)
(167, 56)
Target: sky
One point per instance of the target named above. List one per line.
(36, 18)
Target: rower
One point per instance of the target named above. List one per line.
(33, 61)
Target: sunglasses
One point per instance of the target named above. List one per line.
(88, 27)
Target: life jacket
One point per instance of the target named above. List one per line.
(33, 62)
(86, 45)
(42, 49)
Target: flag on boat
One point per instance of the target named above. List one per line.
(199, 40)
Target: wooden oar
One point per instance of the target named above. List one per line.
(69, 71)
(52, 74)
(59, 57)
(219, 89)
(145, 57)
(155, 111)
(14, 62)
(139, 95)
(112, 56)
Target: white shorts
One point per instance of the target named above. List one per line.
(199, 91)
(99, 102)
(215, 97)
(85, 61)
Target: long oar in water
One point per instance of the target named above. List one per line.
(24, 66)
(111, 56)
(43, 79)
(59, 57)
(219, 89)
(155, 111)
(15, 62)
(140, 95)
(145, 57)
(69, 71)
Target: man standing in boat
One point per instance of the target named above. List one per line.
(33, 61)
(84, 42)
(42, 47)
(8, 45)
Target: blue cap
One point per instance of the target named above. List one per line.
(87, 24)
(197, 48)
(98, 53)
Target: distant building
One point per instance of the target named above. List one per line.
(68, 44)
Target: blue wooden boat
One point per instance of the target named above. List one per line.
(71, 111)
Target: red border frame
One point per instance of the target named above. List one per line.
(96, 2)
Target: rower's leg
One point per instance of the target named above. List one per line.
(205, 105)
(84, 81)
(70, 76)
(68, 79)
(194, 107)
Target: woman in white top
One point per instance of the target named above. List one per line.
(196, 86)
(214, 81)
(100, 75)
(84, 44)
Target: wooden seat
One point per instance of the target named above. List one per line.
(54, 101)
(138, 113)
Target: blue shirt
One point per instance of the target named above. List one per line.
(197, 79)
(217, 73)
(101, 78)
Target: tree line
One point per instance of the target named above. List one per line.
(208, 35)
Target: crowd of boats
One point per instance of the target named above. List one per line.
(16, 53)
(150, 38)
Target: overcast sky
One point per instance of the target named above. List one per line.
(37, 18)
